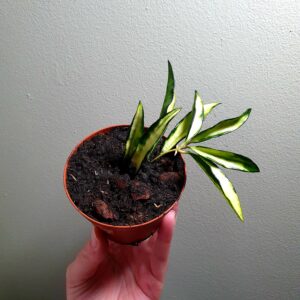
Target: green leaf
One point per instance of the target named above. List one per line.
(170, 97)
(181, 129)
(150, 137)
(172, 104)
(221, 182)
(178, 133)
(136, 131)
(197, 119)
(226, 159)
(223, 127)
(209, 107)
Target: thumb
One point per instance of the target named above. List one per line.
(88, 259)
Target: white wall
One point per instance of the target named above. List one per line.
(71, 67)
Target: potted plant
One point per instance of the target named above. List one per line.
(125, 178)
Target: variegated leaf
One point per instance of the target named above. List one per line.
(221, 182)
(226, 159)
(136, 131)
(178, 133)
(150, 137)
(197, 119)
(170, 98)
(172, 104)
(223, 127)
(209, 107)
(181, 129)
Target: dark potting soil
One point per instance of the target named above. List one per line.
(101, 188)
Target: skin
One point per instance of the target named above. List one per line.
(107, 270)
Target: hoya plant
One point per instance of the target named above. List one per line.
(186, 138)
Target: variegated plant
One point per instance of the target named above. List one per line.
(185, 137)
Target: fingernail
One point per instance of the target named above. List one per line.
(94, 239)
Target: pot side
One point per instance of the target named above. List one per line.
(124, 234)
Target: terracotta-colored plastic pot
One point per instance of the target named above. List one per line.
(121, 234)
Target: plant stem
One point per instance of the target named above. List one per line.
(179, 149)
(162, 154)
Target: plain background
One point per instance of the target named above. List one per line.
(71, 67)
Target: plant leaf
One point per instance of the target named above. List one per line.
(170, 108)
(170, 98)
(221, 182)
(178, 133)
(136, 131)
(223, 127)
(181, 129)
(209, 107)
(197, 119)
(150, 137)
(172, 104)
(226, 159)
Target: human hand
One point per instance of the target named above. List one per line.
(107, 270)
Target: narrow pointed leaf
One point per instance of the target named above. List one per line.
(170, 98)
(150, 137)
(170, 108)
(223, 127)
(209, 107)
(178, 133)
(226, 159)
(181, 129)
(136, 131)
(172, 104)
(197, 118)
(221, 182)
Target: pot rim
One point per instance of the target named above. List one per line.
(109, 226)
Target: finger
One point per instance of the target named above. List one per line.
(175, 208)
(152, 240)
(162, 245)
(87, 261)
